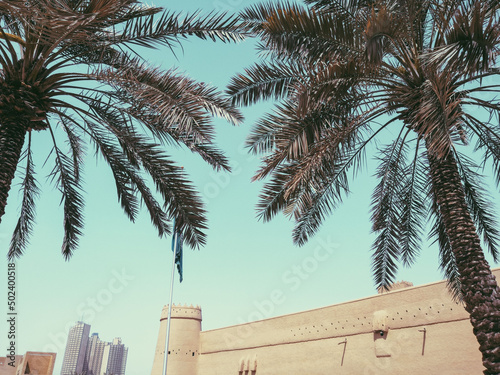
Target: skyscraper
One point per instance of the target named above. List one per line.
(114, 358)
(91, 356)
(76, 349)
(95, 350)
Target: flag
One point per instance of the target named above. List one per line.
(177, 242)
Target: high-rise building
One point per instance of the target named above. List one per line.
(86, 355)
(95, 351)
(76, 349)
(114, 358)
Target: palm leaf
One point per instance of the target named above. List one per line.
(170, 28)
(180, 199)
(480, 206)
(64, 175)
(26, 221)
(386, 211)
(413, 210)
(319, 37)
(474, 36)
(263, 81)
(127, 179)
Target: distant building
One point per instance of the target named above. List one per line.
(95, 351)
(114, 358)
(99, 357)
(32, 363)
(76, 349)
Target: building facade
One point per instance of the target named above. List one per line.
(98, 358)
(411, 330)
(95, 351)
(76, 349)
(114, 358)
(32, 363)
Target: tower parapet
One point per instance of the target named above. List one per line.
(184, 343)
(182, 312)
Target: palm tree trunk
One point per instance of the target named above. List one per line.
(479, 287)
(11, 144)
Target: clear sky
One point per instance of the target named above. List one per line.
(118, 280)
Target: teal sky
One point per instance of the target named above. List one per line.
(119, 279)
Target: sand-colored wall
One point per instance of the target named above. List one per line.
(184, 341)
(423, 332)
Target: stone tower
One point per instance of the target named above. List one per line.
(184, 345)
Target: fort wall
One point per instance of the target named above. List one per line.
(415, 330)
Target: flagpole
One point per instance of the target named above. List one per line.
(167, 338)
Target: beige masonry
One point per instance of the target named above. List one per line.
(415, 330)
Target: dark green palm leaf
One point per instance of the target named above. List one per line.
(26, 222)
(64, 175)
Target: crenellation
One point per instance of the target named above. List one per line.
(180, 311)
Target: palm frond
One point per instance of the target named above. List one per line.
(172, 99)
(256, 16)
(74, 61)
(340, 85)
(387, 27)
(76, 143)
(264, 135)
(172, 104)
(180, 199)
(481, 207)
(298, 33)
(309, 168)
(170, 28)
(272, 198)
(413, 210)
(488, 139)
(263, 81)
(64, 175)
(127, 179)
(386, 211)
(471, 41)
(348, 7)
(26, 221)
(289, 134)
(328, 182)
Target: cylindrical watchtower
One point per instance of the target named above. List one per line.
(184, 343)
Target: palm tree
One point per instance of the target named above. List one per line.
(349, 73)
(73, 68)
